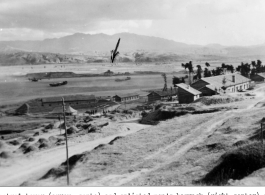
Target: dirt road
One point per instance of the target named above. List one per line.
(34, 166)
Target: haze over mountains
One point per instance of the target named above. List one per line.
(80, 47)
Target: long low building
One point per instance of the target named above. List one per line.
(78, 102)
(233, 83)
(126, 97)
(70, 100)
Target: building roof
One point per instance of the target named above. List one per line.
(261, 74)
(188, 88)
(212, 87)
(217, 81)
(68, 109)
(69, 98)
(127, 95)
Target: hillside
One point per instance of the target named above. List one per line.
(86, 48)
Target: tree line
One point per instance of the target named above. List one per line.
(245, 69)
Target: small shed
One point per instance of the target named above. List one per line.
(187, 94)
(208, 90)
(126, 97)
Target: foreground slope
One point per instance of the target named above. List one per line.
(179, 151)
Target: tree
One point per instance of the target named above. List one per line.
(224, 83)
(188, 66)
(199, 72)
(176, 80)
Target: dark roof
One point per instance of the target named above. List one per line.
(164, 93)
(127, 95)
(218, 80)
(69, 98)
(188, 89)
(212, 87)
(261, 74)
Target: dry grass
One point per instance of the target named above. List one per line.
(2, 144)
(236, 164)
(217, 100)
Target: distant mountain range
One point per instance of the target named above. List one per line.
(79, 48)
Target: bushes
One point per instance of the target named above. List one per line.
(31, 139)
(15, 142)
(236, 164)
(214, 100)
(5, 154)
(31, 149)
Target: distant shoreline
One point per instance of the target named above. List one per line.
(54, 75)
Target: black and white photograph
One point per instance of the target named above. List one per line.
(132, 93)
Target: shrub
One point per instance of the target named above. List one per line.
(31, 149)
(31, 139)
(5, 154)
(236, 164)
(15, 142)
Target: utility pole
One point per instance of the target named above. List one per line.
(67, 159)
(60, 125)
(261, 135)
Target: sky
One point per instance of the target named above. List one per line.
(226, 22)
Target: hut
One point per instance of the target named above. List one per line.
(187, 94)
(126, 97)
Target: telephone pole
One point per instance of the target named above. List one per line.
(67, 159)
(60, 124)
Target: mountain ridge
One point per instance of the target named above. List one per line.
(85, 48)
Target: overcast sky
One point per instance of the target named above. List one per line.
(227, 22)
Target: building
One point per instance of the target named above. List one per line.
(108, 73)
(160, 95)
(126, 97)
(187, 94)
(257, 77)
(233, 83)
(69, 100)
(209, 90)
